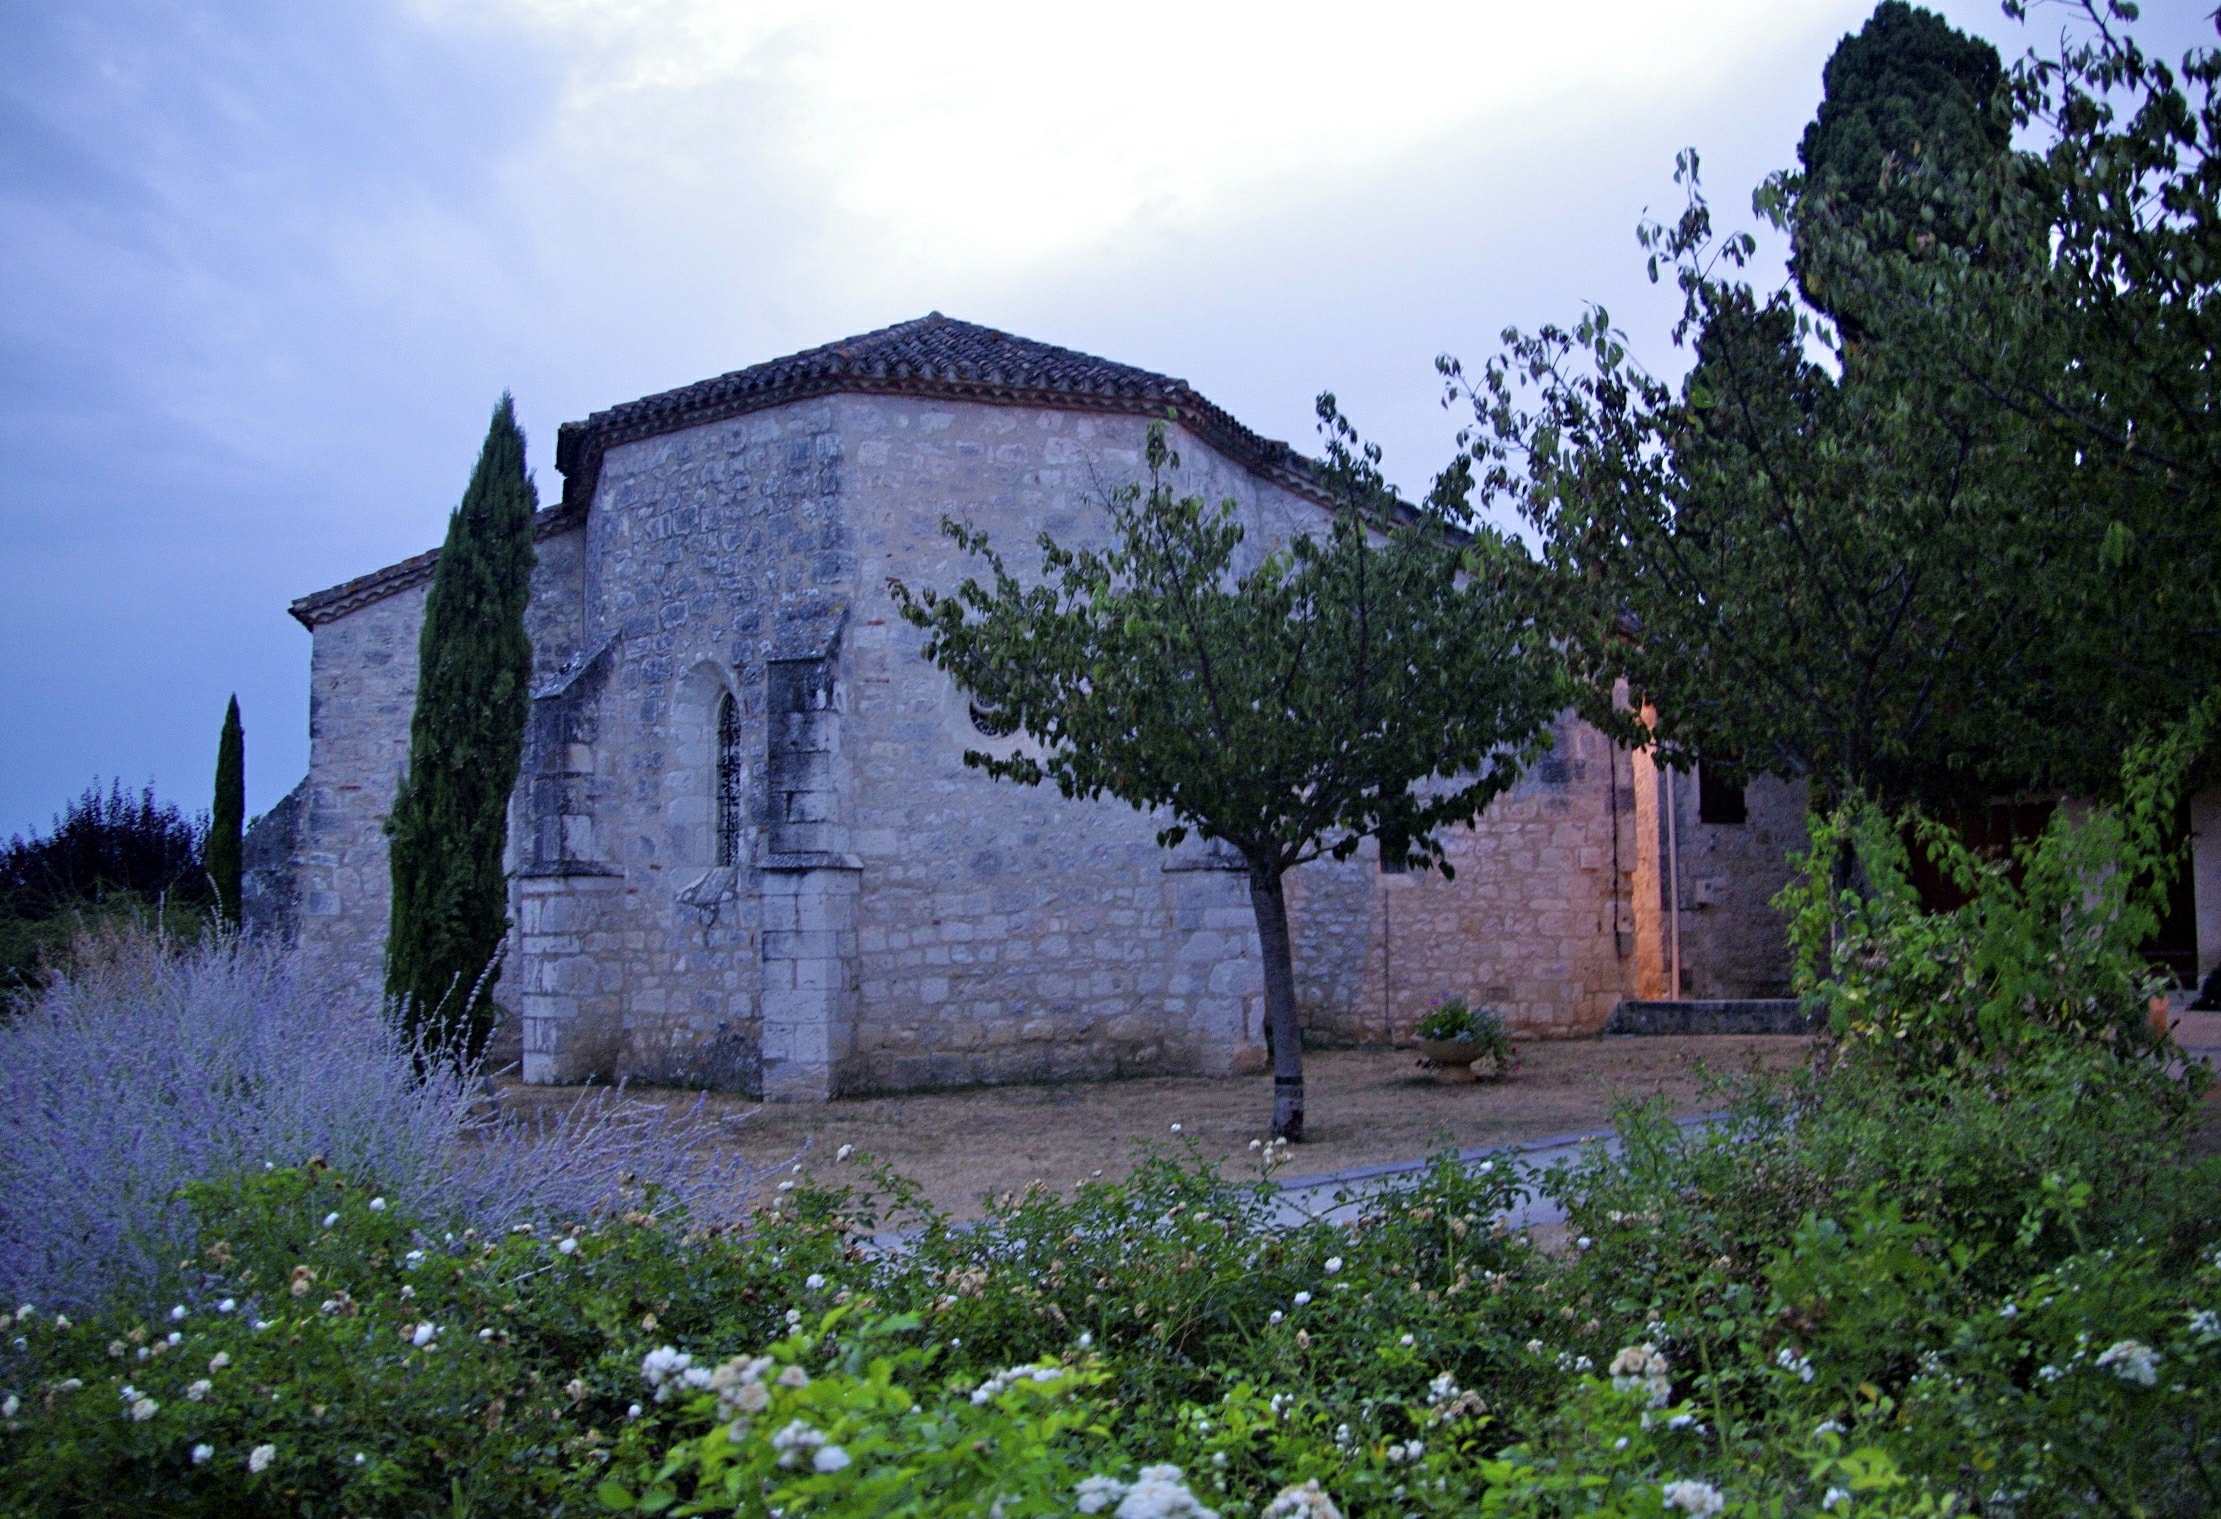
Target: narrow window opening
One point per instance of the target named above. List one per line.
(728, 780)
(1720, 798)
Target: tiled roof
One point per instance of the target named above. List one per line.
(320, 607)
(932, 356)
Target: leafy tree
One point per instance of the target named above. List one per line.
(110, 858)
(449, 824)
(227, 818)
(102, 845)
(1374, 681)
(2095, 345)
(1918, 571)
(1908, 92)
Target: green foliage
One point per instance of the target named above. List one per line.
(227, 818)
(2048, 942)
(1452, 1018)
(112, 861)
(450, 820)
(1908, 93)
(1382, 680)
(854, 1440)
(1975, 553)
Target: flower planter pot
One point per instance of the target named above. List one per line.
(1452, 1059)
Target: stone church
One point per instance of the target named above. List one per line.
(747, 853)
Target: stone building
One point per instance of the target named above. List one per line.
(747, 853)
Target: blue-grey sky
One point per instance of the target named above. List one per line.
(264, 267)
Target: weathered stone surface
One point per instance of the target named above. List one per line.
(886, 917)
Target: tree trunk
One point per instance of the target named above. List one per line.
(1281, 1030)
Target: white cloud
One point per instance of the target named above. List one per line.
(996, 134)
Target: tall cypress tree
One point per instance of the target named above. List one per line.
(450, 821)
(222, 856)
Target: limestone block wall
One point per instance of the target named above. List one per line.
(1733, 944)
(1004, 933)
(1530, 925)
(362, 692)
(711, 553)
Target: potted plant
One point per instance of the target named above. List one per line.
(1457, 1039)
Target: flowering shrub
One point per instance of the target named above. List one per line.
(150, 1068)
(1886, 1286)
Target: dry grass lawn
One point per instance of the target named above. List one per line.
(1363, 1107)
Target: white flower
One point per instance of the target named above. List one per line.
(330, 1219)
(566, 1247)
(9, 1405)
(814, 1282)
(61, 1321)
(662, 1368)
(796, 1439)
(260, 1457)
(794, 1317)
(786, 1186)
(377, 1205)
(1175, 1128)
(1485, 1167)
(360, 1458)
(1583, 1243)
(424, 1334)
(1277, 1316)
(1408, 1341)
(227, 1305)
(1681, 1421)
(1698, 1498)
(793, 1376)
(1302, 1298)
(199, 1390)
(174, 1338)
(1644, 1366)
(143, 1410)
(1827, 1427)
(177, 1314)
(1086, 1339)
(1158, 1493)
(844, 1152)
(1333, 1265)
(635, 1411)
(1796, 1365)
(2049, 1373)
(2131, 1362)
(2009, 1311)
(2205, 1322)
(1094, 1494)
(831, 1459)
(202, 1453)
(1834, 1496)
(1534, 1347)
(1305, 1502)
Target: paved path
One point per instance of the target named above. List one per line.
(1337, 1196)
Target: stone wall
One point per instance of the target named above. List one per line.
(1528, 926)
(892, 919)
(1005, 933)
(270, 866)
(362, 692)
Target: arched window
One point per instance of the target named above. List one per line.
(728, 780)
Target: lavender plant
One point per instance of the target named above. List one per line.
(151, 1066)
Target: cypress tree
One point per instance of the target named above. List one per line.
(449, 824)
(222, 856)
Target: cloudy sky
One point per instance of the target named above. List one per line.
(265, 267)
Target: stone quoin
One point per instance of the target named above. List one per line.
(746, 851)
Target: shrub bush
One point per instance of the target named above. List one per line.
(152, 1066)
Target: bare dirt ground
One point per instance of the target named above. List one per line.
(1362, 1107)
